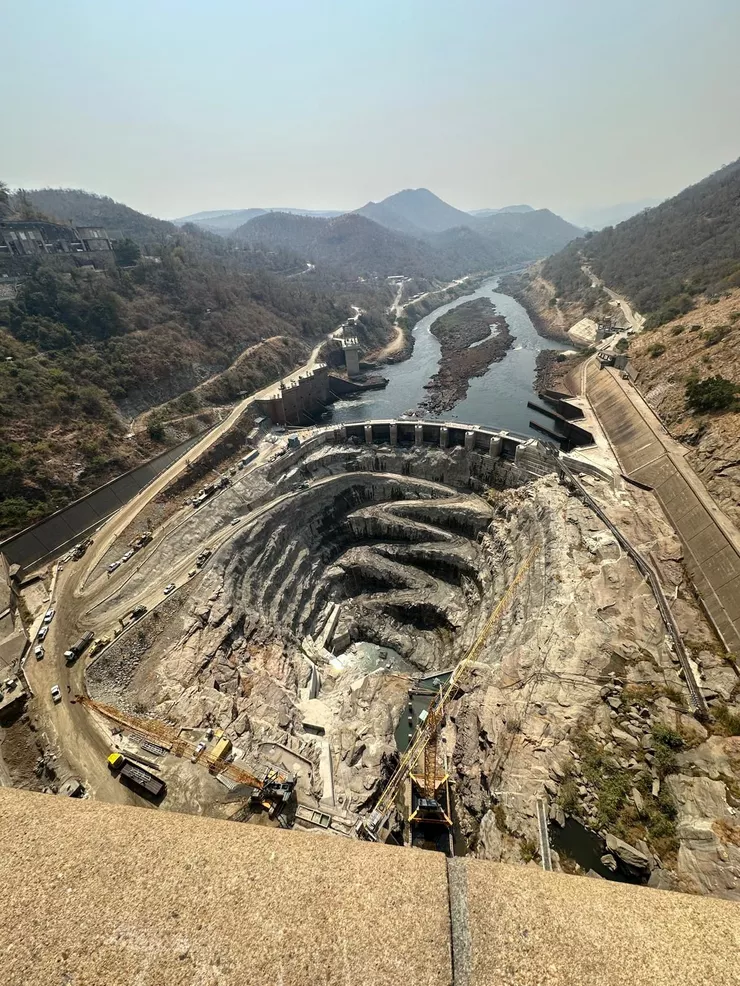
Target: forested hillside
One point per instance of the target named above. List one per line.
(84, 350)
(350, 243)
(662, 259)
(357, 245)
(78, 208)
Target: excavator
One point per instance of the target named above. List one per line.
(424, 743)
(271, 791)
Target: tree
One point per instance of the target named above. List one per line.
(4, 199)
(127, 252)
(713, 394)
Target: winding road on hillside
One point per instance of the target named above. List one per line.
(634, 319)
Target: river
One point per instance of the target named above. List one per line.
(498, 399)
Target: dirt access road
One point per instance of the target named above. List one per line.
(83, 742)
(398, 341)
(635, 320)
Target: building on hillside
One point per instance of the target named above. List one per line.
(33, 238)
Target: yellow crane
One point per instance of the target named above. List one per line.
(273, 788)
(424, 740)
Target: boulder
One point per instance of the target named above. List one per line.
(628, 854)
(557, 815)
(625, 739)
(638, 800)
(662, 880)
(609, 861)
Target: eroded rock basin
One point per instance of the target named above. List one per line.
(356, 570)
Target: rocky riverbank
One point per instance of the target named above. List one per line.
(472, 337)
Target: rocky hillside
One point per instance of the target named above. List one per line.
(674, 363)
(679, 265)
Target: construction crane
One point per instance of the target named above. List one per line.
(424, 740)
(273, 790)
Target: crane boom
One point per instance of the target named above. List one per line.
(426, 731)
(161, 732)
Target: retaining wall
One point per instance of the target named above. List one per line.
(66, 527)
(710, 557)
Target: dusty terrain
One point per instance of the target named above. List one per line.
(355, 570)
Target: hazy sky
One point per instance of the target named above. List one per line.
(176, 106)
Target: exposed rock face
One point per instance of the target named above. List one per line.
(709, 857)
(396, 550)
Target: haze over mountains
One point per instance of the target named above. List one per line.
(413, 211)
(415, 231)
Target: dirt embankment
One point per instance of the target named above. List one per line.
(472, 337)
(550, 315)
(701, 344)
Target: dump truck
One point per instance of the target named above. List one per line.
(203, 558)
(135, 776)
(77, 648)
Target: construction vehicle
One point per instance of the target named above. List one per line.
(143, 539)
(273, 790)
(222, 749)
(71, 655)
(81, 548)
(428, 805)
(99, 644)
(136, 776)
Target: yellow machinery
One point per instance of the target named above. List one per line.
(272, 790)
(424, 740)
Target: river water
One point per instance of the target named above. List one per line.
(498, 399)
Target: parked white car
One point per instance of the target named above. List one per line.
(129, 554)
(56, 694)
(42, 632)
(113, 566)
(49, 615)
(169, 588)
(38, 652)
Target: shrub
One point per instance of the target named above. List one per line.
(712, 394)
(568, 798)
(667, 737)
(657, 349)
(713, 336)
(727, 720)
(156, 430)
(677, 330)
(499, 815)
(528, 850)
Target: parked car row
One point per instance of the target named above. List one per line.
(136, 545)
